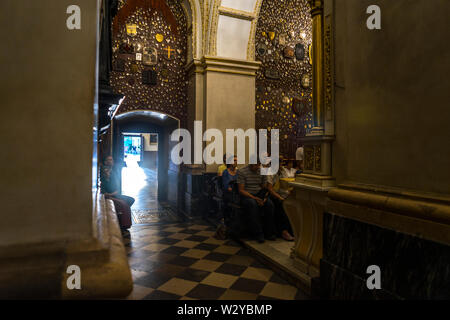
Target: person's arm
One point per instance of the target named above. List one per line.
(220, 171)
(247, 194)
(273, 192)
(226, 181)
(241, 187)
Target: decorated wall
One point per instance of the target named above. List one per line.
(149, 56)
(284, 82)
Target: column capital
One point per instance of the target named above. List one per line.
(229, 65)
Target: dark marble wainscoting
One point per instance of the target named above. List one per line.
(411, 267)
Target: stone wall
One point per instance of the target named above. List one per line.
(391, 95)
(169, 94)
(279, 79)
(411, 268)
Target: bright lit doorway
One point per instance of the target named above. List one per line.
(132, 148)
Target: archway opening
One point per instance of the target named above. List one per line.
(142, 145)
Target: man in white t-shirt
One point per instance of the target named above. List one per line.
(299, 154)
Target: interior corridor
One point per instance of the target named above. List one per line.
(142, 184)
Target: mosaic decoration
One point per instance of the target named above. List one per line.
(150, 56)
(279, 81)
(261, 49)
(306, 81)
(149, 77)
(131, 30)
(159, 37)
(288, 52)
(126, 48)
(299, 106)
(309, 158)
(119, 65)
(300, 51)
(317, 158)
(158, 82)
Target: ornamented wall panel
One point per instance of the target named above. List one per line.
(148, 66)
(284, 82)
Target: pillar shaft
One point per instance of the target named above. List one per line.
(317, 57)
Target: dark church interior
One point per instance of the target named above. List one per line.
(99, 97)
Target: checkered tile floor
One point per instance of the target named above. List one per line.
(184, 261)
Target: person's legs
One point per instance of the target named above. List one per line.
(253, 217)
(123, 213)
(227, 208)
(127, 199)
(277, 222)
(281, 220)
(268, 219)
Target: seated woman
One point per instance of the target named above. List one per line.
(229, 175)
(223, 166)
(110, 188)
(278, 195)
(288, 171)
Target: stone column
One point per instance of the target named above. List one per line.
(317, 54)
(51, 217)
(222, 96)
(192, 175)
(229, 95)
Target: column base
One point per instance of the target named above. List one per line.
(39, 271)
(305, 209)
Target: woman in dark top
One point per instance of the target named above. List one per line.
(229, 175)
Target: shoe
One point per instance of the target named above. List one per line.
(272, 238)
(260, 240)
(286, 236)
(125, 233)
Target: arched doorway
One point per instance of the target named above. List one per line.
(150, 49)
(141, 147)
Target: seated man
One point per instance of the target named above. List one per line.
(110, 188)
(255, 200)
(299, 155)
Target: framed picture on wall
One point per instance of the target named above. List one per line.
(299, 106)
(153, 138)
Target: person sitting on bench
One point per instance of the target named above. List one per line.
(109, 186)
(258, 208)
(278, 195)
(229, 175)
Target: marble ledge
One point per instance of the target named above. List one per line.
(424, 218)
(311, 182)
(110, 279)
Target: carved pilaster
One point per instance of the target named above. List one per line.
(317, 53)
(305, 207)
